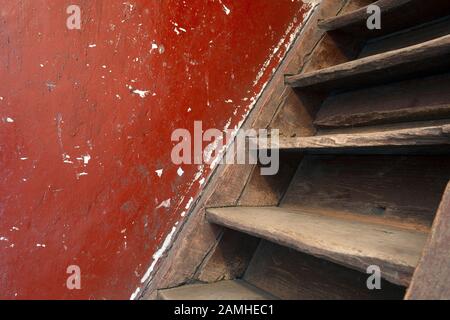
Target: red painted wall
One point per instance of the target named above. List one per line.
(79, 150)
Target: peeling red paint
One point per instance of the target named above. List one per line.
(86, 118)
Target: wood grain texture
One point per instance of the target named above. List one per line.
(371, 142)
(269, 190)
(409, 37)
(396, 15)
(229, 259)
(293, 275)
(405, 190)
(425, 58)
(395, 250)
(412, 100)
(224, 290)
(431, 280)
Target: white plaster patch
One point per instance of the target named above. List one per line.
(188, 206)
(165, 204)
(135, 294)
(141, 93)
(86, 159)
(225, 9)
(81, 174)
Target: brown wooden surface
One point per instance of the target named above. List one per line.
(395, 250)
(406, 38)
(404, 190)
(396, 15)
(371, 142)
(269, 190)
(432, 277)
(292, 275)
(424, 58)
(224, 290)
(411, 100)
(229, 259)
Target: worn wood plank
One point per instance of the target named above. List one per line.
(224, 290)
(396, 15)
(419, 60)
(409, 37)
(412, 100)
(405, 190)
(395, 250)
(432, 277)
(293, 275)
(373, 142)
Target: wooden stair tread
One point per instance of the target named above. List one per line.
(411, 100)
(417, 60)
(396, 15)
(419, 136)
(223, 290)
(351, 243)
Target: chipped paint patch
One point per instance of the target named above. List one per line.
(164, 204)
(156, 257)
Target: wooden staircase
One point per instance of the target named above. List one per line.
(370, 180)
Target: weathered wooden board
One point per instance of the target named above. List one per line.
(411, 100)
(292, 275)
(405, 190)
(396, 15)
(408, 37)
(224, 290)
(373, 142)
(432, 277)
(396, 251)
(425, 58)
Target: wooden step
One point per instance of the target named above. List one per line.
(293, 275)
(414, 61)
(396, 15)
(411, 140)
(397, 190)
(355, 244)
(223, 290)
(405, 101)
(408, 37)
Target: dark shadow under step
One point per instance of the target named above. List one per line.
(292, 275)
